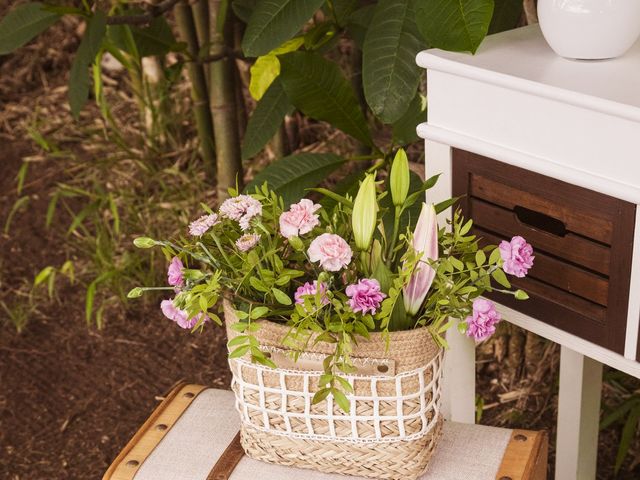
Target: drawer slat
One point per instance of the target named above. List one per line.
(562, 275)
(585, 223)
(592, 255)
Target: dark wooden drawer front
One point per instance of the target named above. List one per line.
(582, 240)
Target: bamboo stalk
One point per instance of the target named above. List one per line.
(201, 16)
(223, 101)
(199, 92)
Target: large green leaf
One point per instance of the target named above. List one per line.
(358, 24)
(317, 87)
(155, 39)
(274, 21)
(457, 25)
(22, 24)
(244, 8)
(506, 15)
(266, 119)
(291, 176)
(85, 55)
(390, 74)
(404, 130)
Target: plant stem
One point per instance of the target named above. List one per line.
(199, 92)
(394, 235)
(223, 103)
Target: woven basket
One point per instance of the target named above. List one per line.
(394, 422)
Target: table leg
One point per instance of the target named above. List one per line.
(578, 416)
(459, 380)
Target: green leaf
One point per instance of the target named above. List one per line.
(155, 39)
(281, 297)
(628, 432)
(244, 8)
(481, 257)
(267, 67)
(275, 21)
(341, 400)
(239, 340)
(290, 176)
(87, 51)
(43, 275)
(259, 312)
(266, 119)
(358, 24)
(390, 75)
(458, 25)
(321, 395)
(317, 87)
(404, 129)
(506, 15)
(240, 351)
(22, 24)
(501, 278)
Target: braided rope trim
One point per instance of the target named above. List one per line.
(431, 389)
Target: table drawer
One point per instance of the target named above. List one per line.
(582, 240)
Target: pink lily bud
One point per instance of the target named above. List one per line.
(425, 241)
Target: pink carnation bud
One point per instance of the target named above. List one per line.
(482, 323)
(299, 219)
(517, 256)
(331, 250)
(180, 316)
(365, 296)
(174, 273)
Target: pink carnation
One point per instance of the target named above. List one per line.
(482, 323)
(242, 209)
(199, 227)
(517, 256)
(365, 296)
(331, 250)
(247, 242)
(174, 273)
(311, 289)
(299, 219)
(180, 316)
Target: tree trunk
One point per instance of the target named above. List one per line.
(223, 101)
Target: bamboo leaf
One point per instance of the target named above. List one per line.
(390, 75)
(22, 24)
(292, 175)
(244, 8)
(274, 21)
(628, 432)
(87, 51)
(454, 25)
(317, 87)
(266, 119)
(155, 39)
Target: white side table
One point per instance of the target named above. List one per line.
(547, 148)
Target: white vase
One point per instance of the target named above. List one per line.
(590, 29)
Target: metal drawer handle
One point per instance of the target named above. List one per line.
(540, 221)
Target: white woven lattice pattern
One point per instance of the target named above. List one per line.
(384, 408)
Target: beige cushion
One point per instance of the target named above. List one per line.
(194, 443)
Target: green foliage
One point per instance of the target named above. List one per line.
(455, 25)
(390, 75)
(291, 176)
(274, 21)
(317, 87)
(87, 51)
(266, 119)
(22, 24)
(506, 15)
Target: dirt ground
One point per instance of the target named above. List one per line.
(71, 395)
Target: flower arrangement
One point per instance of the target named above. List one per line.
(337, 271)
